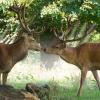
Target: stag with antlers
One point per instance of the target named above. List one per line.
(10, 54)
(85, 56)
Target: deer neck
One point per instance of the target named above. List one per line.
(69, 54)
(18, 50)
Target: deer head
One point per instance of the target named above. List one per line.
(30, 42)
(72, 33)
(29, 33)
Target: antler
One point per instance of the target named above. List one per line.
(20, 11)
(74, 31)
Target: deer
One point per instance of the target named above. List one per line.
(85, 56)
(10, 54)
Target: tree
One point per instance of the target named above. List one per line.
(61, 18)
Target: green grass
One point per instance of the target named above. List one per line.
(63, 86)
(66, 89)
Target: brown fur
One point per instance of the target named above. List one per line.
(10, 54)
(86, 57)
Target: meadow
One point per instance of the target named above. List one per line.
(63, 80)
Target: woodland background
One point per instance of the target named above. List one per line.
(40, 67)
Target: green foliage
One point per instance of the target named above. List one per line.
(90, 11)
(52, 14)
(2, 15)
(34, 12)
(95, 37)
(8, 24)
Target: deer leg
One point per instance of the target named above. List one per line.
(0, 79)
(96, 76)
(4, 78)
(83, 76)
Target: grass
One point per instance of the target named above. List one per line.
(66, 89)
(63, 81)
